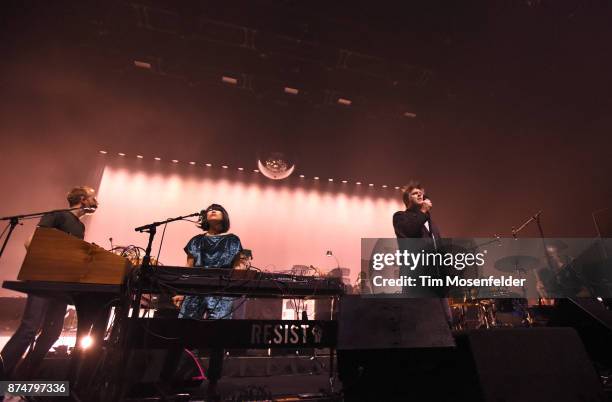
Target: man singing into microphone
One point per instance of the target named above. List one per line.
(415, 222)
(42, 314)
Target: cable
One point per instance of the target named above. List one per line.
(161, 241)
(189, 220)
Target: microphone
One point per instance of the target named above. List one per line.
(426, 197)
(428, 221)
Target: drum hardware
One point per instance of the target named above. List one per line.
(519, 264)
(474, 314)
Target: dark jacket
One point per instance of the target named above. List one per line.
(411, 224)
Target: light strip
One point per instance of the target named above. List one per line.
(157, 158)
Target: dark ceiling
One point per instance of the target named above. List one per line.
(507, 94)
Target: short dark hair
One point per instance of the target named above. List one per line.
(76, 195)
(225, 222)
(407, 189)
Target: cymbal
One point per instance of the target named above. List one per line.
(514, 262)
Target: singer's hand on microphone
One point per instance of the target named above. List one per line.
(178, 300)
(426, 206)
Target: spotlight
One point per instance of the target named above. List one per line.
(256, 170)
(174, 160)
(103, 152)
(410, 115)
(139, 156)
(291, 91)
(142, 64)
(192, 163)
(240, 168)
(329, 253)
(397, 187)
(371, 184)
(316, 177)
(121, 154)
(345, 102)
(330, 179)
(86, 342)
(224, 166)
(358, 183)
(208, 164)
(301, 176)
(384, 186)
(157, 158)
(229, 80)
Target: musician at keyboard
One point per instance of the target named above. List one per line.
(215, 248)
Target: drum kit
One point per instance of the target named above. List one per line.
(499, 307)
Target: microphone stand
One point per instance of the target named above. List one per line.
(536, 218)
(14, 221)
(151, 229)
(604, 252)
(145, 266)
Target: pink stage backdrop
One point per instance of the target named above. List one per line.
(283, 226)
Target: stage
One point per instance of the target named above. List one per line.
(285, 200)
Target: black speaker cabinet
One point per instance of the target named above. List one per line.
(592, 319)
(526, 365)
(393, 349)
(375, 323)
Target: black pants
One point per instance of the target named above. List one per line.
(40, 314)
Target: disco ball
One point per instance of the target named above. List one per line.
(277, 166)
